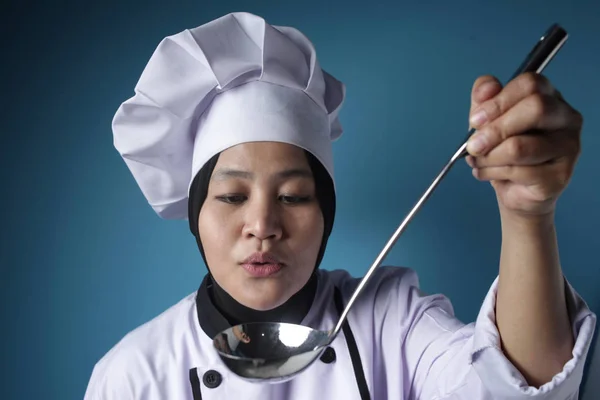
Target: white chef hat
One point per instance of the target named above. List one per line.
(235, 79)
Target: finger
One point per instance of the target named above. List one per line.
(530, 149)
(535, 112)
(484, 88)
(519, 88)
(552, 176)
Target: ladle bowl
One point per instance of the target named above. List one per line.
(271, 351)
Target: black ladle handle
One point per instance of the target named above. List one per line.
(538, 58)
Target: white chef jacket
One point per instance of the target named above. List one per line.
(409, 344)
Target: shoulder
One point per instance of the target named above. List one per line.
(384, 280)
(390, 288)
(143, 354)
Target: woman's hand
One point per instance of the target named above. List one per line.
(527, 142)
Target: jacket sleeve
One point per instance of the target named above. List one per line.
(447, 359)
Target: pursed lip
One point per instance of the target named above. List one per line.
(262, 265)
(262, 258)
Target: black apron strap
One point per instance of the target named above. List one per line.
(195, 382)
(353, 349)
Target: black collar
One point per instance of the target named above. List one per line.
(213, 321)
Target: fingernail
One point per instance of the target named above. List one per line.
(485, 87)
(478, 118)
(476, 143)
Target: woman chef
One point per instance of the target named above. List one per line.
(231, 126)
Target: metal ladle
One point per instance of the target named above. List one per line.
(276, 352)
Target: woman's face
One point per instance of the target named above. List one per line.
(261, 225)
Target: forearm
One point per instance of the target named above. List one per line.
(531, 311)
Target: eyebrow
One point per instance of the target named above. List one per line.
(227, 173)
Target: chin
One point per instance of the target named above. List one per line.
(264, 299)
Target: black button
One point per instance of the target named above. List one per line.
(212, 379)
(328, 355)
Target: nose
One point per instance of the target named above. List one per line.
(262, 219)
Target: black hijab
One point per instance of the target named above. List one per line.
(297, 306)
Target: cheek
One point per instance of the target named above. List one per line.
(215, 235)
(306, 232)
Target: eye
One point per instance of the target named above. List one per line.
(294, 199)
(232, 198)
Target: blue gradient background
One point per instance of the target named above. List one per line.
(83, 258)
